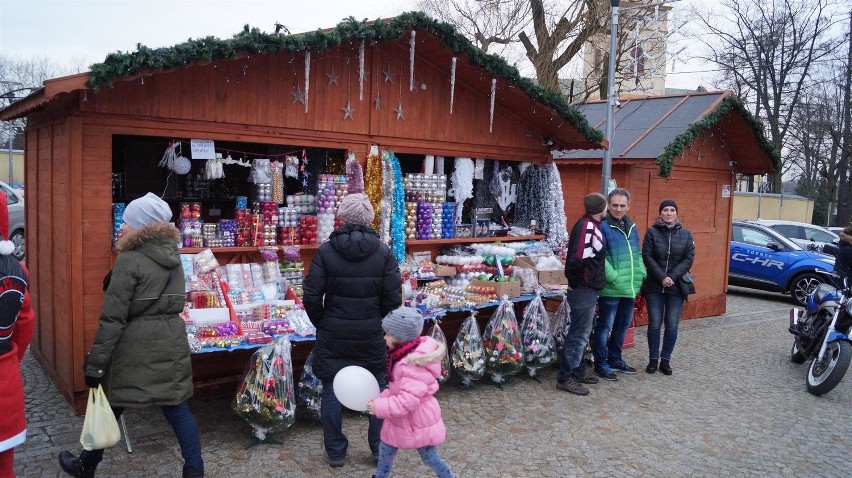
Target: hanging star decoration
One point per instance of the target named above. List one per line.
(298, 95)
(400, 112)
(332, 77)
(378, 102)
(348, 110)
(305, 173)
(388, 75)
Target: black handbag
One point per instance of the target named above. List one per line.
(687, 284)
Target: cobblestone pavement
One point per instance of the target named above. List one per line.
(735, 406)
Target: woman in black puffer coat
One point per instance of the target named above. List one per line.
(668, 251)
(354, 281)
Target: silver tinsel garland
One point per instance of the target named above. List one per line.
(533, 196)
(557, 229)
(387, 197)
(540, 199)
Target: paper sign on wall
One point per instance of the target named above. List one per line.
(726, 190)
(202, 149)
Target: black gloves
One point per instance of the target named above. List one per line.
(93, 382)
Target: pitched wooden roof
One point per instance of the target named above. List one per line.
(660, 127)
(556, 119)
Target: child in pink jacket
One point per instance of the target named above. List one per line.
(412, 416)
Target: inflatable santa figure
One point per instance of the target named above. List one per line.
(16, 330)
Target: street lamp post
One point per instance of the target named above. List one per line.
(612, 94)
(611, 98)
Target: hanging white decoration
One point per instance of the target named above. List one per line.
(506, 192)
(491, 113)
(462, 184)
(411, 61)
(168, 160)
(182, 165)
(307, 77)
(361, 71)
(452, 83)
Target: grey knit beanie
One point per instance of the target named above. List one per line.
(145, 210)
(404, 324)
(356, 209)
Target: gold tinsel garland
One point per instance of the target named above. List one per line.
(373, 186)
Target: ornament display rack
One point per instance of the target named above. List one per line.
(467, 240)
(410, 242)
(232, 255)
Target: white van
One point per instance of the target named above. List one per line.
(808, 236)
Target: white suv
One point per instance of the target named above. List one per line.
(809, 236)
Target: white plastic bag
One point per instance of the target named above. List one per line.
(100, 429)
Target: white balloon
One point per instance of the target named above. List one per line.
(354, 386)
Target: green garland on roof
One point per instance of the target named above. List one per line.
(253, 41)
(730, 103)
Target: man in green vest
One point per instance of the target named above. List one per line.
(625, 272)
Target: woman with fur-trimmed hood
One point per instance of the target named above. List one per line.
(141, 355)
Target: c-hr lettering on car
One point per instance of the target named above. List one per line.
(757, 261)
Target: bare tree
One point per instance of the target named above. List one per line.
(19, 77)
(813, 151)
(767, 50)
(844, 196)
(551, 33)
(486, 22)
(560, 34)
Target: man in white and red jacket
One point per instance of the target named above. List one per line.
(16, 330)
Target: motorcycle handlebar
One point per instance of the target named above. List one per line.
(836, 280)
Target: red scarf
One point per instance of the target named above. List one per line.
(400, 352)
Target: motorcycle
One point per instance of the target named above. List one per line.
(821, 334)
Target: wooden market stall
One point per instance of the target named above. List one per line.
(687, 148)
(409, 84)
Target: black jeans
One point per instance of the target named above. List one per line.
(331, 416)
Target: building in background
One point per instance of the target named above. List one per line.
(641, 70)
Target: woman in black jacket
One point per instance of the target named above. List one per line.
(353, 283)
(668, 251)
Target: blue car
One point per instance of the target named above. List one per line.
(761, 258)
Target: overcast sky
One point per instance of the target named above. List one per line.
(77, 33)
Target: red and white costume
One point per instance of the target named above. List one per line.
(16, 330)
